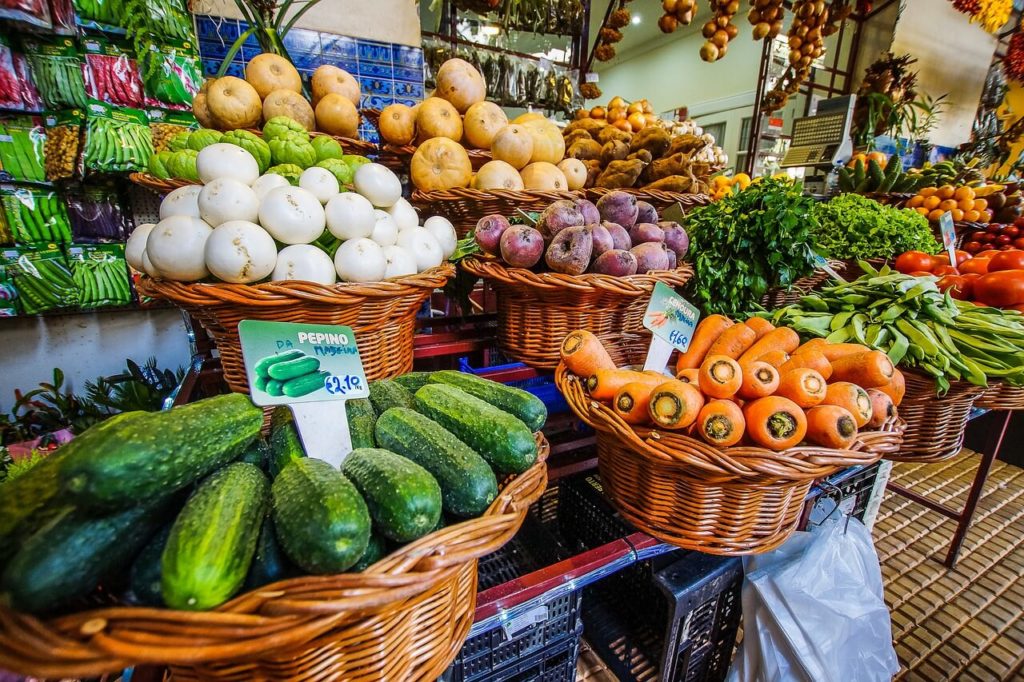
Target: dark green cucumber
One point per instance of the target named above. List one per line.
(280, 415)
(263, 365)
(285, 446)
(375, 551)
(213, 539)
(527, 407)
(257, 454)
(503, 440)
(322, 522)
(403, 498)
(413, 381)
(67, 558)
(290, 369)
(468, 485)
(146, 455)
(361, 418)
(387, 393)
(268, 564)
(146, 570)
(274, 387)
(305, 384)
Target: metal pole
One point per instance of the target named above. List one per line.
(754, 140)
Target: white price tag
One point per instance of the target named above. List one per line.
(591, 77)
(948, 236)
(538, 614)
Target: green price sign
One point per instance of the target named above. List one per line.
(671, 317)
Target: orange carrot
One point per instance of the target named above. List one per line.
(689, 376)
(775, 358)
(605, 383)
(720, 423)
(675, 404)
(781, 338)
(896, 388)
(813, 344)
(812, 359)
(831, 426)
(803, 386)
(630, 403)
(760, 326)
(775, 422)
(867, 369)
(759, 379)
(707, 332)
(852, 397)
(720, 376)
(733, 341)
(583, 353)
(882, 408)
(832, 351)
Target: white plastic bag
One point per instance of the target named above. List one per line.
(813, 611)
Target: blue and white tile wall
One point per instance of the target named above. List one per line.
(387, 72)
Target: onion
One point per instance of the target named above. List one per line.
(401, 263)
(321, 182)
(223, 160)
(422, 245)
(404, 214)
(385, 231)
(444, 232)
(267, 182)
(135, 247)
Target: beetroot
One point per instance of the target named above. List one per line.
(646, 232)
(602, 239)
(522, 246)
(588, 211)
(616, 262)
(558, 216)
(672, 260)
(618, 207)
(676, 237)
(645, 213)
(650, 256)
(570, 250)
(620, 236)
(488, 233)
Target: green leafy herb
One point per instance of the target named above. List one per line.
(853, 226)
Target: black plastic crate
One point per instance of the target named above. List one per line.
(843, 493)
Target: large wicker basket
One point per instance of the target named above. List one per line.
(935, 424)
(537, 310)
(660, 199)
(464, 206)
(777, 297)
(158, 185)
(404, 618)
(1001, 396)
(381, 314)
(738, 500)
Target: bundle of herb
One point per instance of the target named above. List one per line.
(747, 242)
(852, 226)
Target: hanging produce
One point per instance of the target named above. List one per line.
(1013, 62)
(719, 30)
(766, 17)
(676, 12)
(991, 14)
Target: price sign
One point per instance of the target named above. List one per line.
(591, 77)
(672, 319)
(822, 264)
(948, 236)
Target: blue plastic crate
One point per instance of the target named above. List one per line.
(543, 387)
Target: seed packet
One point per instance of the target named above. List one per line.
(63, 141)
(175, 76)
(33, 12)
(17, 91)
(98, 13)
(111, 73)
(117, 139)
(42, 278)
(57, 68)
(22, 144)
(164, 124)
(8, 293)
(62, 14)
(100, 273)
(35, 215)
(96, 212)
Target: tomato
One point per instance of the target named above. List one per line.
(1007, 260)
(1000, 289)
(919, 273)
(986, 238)
(972, 247)
(1012, 230)
(959, 287)
(978, 236)
(943, 270)
(1019, 222)
(1004, 239)
(976, 265)
(1019, 242)
(1006, 247)
(970, 276)
(961, 256)
(914, 261)
(994, 228)
(1018, 308)
(987, 254)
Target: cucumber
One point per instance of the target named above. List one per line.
(413, 381)
(280, 415)
(305, 384)
(268, 563)
(527, 407)
(148, 455)
(503, 440)
(361, 418)
(213, 539)
(403, 498)
(274, 388)
(67, 558)
(375, 551)
(285, 445)
(468, 485)
(263, 365)
(387, 393)
(257, 454)
(322, 522)
(146, 570)
(290, 369)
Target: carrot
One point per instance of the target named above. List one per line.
(675, 404)
(812, 359)
(804, 386)
(583, 353)
(775, 422)
(721, 423)
(605, 383)
(882, 408)
(813, 344)
(630, 403)
(760, 326)
(720, 376)
(733, 341)
(689, 376)
(775, 358)
(832, 351)
(896, 388)
(782, 338)
(707, 332)
(867, 369)
(852, 397)
(759, 379)
(831, 426)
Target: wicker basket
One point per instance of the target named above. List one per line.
(1001, 396)
(537, 310)
(660, 199)
(403, 618)
(382, 314)
(156, 184)
(778, 297)
(935, 424)
(739, 500)
(464, 206)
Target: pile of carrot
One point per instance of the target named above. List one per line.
(748, 382)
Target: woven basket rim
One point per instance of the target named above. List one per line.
(1001, 395)
(469, 194)
(290, 612)
(658, 195)
(157, 185)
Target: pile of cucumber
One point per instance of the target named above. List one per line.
(187, 508)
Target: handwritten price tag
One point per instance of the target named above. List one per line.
(342, 385)
(672, 319)
(948, 236)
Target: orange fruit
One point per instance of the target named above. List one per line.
(637, 120)
(980, 205)
(932, 202)
(957, 214)
(915, 201)
(623, 124)
(971, 215)
(963, 194)
(935, 215)
(948, 204)
(927, 191)
(922, 210)
(965, 204)
(946, 192)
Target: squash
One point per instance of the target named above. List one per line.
(233, 103)
(268, 72)
(575, 173)
(498, 175)
(327, 79)
(398, 124)
(529, 116)
(201, 110)
(514, 145)
(291, 104)
(440, 163)
(548, 143)
(336, 115)
(544, 176)
(460, 83)
(438, 118)
(483, 121)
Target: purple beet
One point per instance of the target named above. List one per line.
(616, 262)
(672, 260)
(488, 233)
(602, 239)
(589, 211)
(646, 232)
(645, 213)
(650, 256)
(522, 246)
(676, 238)
(618, 207)
(558, 216)
(570, 250)
(620, 236)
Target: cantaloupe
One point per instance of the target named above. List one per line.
(438, 118)
(233, 103)
(498, 175)
(268, 72)
(575, 173)
(291, 104)
(328, 78)
(543, 176)
(398, 124)
(513, 144)
(460, 83)
(440, 163)
(336, 115)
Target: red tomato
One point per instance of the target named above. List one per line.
(919, 273)
(976, 265)
(1019, 242)
(1019, 222)
(959, 287)
(972, 247)
(1004, 239)
(971, 276)
(978, 236)
(1012, 230)
(994, 228)
(987, 238)
(1006, 247)
(1007, 260)
(1018, 308)
(961, 256)
(1000, 289)
(987, 254)
(946, 269)
(914, 261)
